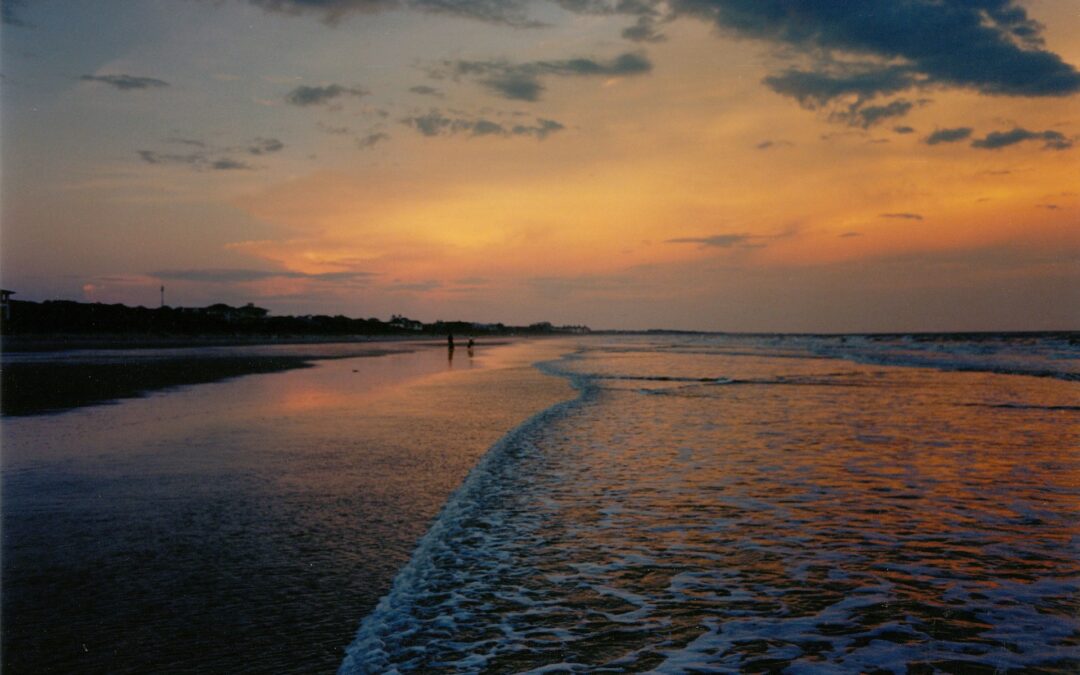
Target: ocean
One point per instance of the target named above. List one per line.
(666, 503)
(763, 503)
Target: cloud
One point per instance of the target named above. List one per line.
(330, 129)
(264, 146)
(308, 96)
(767, 144)
(370, 140)
(522, 81)
(505, 12)
(126, 82)
(814, 89)
(1049, 207)
(995, 140)
(228, 164)
(9, 12)
(199, 161)
(717, 240)
(437, 123)
(848, 235)
(904, 130)
(414, 286)
(868, 116)
(903, 216)
(424, 90)
(208, 158)
(991, 46)
(644, 30)
(229, 275)
(948, 135)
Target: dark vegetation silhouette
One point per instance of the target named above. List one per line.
(65, 317)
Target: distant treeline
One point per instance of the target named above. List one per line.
(65, 317)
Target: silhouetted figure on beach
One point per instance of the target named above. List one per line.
(449, 346)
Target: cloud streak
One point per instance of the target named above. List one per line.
(206, 158)
(715, 241)
(995, 140)
(940, 136)
(126, 82)
(437, 123)
(304, 95)
(523, 81)
(234, 275)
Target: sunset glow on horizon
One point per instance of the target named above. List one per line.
(690, 164)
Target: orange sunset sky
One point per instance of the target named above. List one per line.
(729, 165)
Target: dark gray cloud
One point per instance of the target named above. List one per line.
(814, 89)
(868, 116)
(371, 140)
(425, 90)
(904, 130)
(991, 46)
(126, 82)
(262, 146)
(717, 240)
(200, 161)
(1049, 207)
(903, 216)
(208, 158)
(522, 81)
(505, 12)
(9, 12)
(643, 30)
(437, 123)
(228, 164)
(231, 275)
(1053, 140)
(306, 96)
(767, 144)
(948, 135)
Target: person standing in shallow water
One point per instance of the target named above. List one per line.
(450, 346)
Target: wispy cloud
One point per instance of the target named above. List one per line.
(1053, 140)
(371, 140)
(768, 144)
(523, 81)
(126, 82)
(424, 90)
(940, 136)
(209, 158)
(716, 240)
(305, 95)
(903, 216)
(437, 123)
(239, 275)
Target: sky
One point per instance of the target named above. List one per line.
(726, 165)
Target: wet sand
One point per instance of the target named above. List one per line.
(245, 525)
(48, 377)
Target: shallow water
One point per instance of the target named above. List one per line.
(245, 525)
(763, 504)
